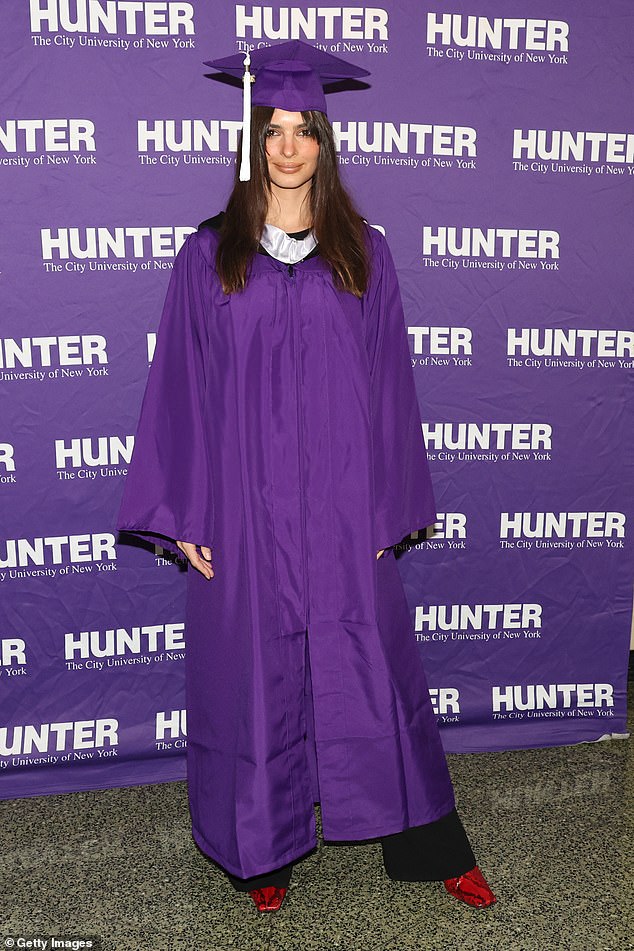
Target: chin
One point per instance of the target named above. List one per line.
(289, 181)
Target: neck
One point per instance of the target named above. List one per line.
(289, 208)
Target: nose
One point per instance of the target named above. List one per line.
(288, 145)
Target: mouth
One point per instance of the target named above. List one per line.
(288, 169)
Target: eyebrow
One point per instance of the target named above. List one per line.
(276, 125)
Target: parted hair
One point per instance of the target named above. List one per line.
(338, 227)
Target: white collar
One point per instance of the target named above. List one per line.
(284, 248)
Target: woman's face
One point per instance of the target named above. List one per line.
(290, 151)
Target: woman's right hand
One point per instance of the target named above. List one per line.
(200, 564)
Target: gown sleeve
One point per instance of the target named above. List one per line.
(167, 494)
(402, 483)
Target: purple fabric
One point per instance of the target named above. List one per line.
(280, 426)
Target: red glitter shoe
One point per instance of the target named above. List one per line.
(269, 898)
(471, 888)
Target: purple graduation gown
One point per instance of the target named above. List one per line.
(280, 427)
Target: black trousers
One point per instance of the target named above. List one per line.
(429, 853)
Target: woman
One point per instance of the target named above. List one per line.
(280, 431)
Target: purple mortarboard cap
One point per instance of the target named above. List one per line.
(289, 76)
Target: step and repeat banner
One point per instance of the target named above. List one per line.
(494, 146)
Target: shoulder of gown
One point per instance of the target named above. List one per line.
(214, 222)
(378, 247)
(206, 237)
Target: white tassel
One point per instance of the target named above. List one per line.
(245, 163)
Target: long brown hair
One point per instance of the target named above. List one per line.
(338, 227)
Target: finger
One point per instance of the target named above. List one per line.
(203, 566)
(195, 560)
(206, 552)
(379, 553)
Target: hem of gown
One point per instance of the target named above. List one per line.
(157, 537)
(379, 831)
(286, 858)
(145, 530)
(404, 531)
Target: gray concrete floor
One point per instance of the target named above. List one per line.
(552, 830)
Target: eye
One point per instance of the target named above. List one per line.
(307, 133)
(271, 132)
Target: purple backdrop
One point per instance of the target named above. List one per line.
(493, 148)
